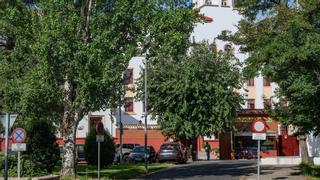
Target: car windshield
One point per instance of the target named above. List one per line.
(170, 146)
(140, 149)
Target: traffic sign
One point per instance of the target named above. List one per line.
(99, 138)
(19, 135)
(18, 147)
(259, 136)
(259, 126)
(99, 128)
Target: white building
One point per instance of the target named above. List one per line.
(259, 91)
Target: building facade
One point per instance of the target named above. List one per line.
(259, 93)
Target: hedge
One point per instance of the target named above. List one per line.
(310, 169)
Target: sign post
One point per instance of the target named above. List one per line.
(19, 136)
(99, 139)
(259, 133)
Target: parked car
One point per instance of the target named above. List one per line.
(137, 154)
(172, 152)
(126, 149)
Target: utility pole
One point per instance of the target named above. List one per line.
(145, 118)
(121, 130)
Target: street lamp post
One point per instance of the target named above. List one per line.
(145, 117)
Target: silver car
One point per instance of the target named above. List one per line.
(172, 152)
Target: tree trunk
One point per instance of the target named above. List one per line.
(85, 13)
(303, 149)
(69, 139)
(68, 126)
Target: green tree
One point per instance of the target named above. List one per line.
(107, 149)
(68, 56)
(194, 93)
(282, 38)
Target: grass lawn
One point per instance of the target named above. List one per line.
(124, 171)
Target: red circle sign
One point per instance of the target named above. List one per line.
(19, 135)
(259, 126)
(99, 128)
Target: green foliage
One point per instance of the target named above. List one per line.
(194, 93)
(310, 169)
(27, 168)
(42, 149)
(61, 67)
(284, 45)
(107, 149)
(42, 154)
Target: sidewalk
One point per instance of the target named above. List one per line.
(276, 172)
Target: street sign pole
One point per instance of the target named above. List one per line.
(98, 160)
(145, 118)
(99, 139)
(6, 147)
(258, 163)
(259, 133)
(18, 164)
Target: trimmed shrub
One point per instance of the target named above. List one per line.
(107, 149)
(310, 169)
(42, 149)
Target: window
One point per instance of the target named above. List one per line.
(228, 48)
(129, 76)
(224, 3)
(251, 104)
(93, 121)
(208, 2)
(266, 82)
(128, 104)
(250, 82)
(267, 103)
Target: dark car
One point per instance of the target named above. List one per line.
(126, 149)
(137, 154)
(172, 152)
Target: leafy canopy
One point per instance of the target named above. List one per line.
(284, 45)
(194, 93)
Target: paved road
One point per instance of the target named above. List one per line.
(217, 170)
(226, 170)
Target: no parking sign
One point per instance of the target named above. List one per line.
(19, 135)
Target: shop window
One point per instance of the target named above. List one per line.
(250, 82)
(128, 104)
(251, 104)
(267, 145)
(266, 82)
(129, 76)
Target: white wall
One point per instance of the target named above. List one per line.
(313, 145)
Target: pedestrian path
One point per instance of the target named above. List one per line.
(276, 172)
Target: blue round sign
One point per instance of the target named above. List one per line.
(19, 135)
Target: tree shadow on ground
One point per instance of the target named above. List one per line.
(200, 170)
